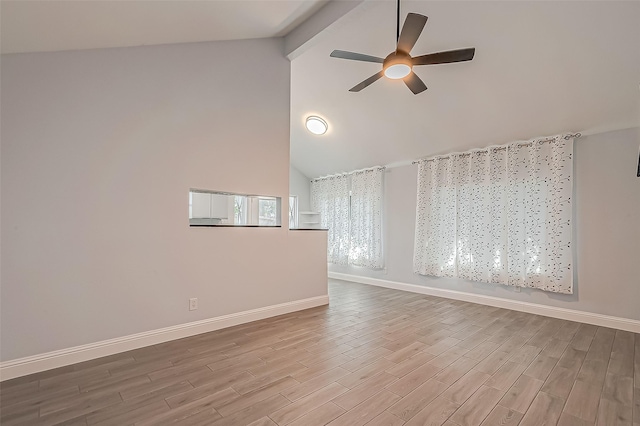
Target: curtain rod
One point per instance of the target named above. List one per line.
(499, 148)
(350, 173)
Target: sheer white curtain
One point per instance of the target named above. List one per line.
(366, 219)
(354, 222)
(330, 198)
(499, 215)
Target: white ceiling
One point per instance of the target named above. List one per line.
(540, 68)
(52, 25)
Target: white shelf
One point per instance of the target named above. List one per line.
(309, 219)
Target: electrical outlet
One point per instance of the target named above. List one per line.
(193, 304)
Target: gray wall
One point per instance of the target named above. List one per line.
(299, 185)
(99, 150)
(607, 232)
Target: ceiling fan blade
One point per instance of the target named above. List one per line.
(414, 83)
(449, 56)
(411, 30)
(355, 56)
(372, 79)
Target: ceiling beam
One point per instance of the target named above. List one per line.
(330, 17)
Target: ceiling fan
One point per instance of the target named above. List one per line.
(399, 63)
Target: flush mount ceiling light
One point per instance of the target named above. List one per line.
(316, 125)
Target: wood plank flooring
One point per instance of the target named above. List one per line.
(375, 356)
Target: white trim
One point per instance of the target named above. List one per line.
(41, 362)
(532, 308)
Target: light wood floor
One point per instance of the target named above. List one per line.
(374, 356)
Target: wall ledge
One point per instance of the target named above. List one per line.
(625, 324)
(46, 361)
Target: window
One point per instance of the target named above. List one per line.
(240, 210)
(267, 211)
(293, 211)
(365, 219)
(330, 198)
(350, 207)
(499, 215)
(209, 208)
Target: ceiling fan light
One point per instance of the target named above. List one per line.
(397, 71)
(316, 125)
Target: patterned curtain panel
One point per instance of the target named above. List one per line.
(366, 219)
(330, 198)
(498, 215)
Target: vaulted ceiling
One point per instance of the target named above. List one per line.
(540, 68)
(53, 25)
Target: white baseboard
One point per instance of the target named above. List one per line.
(60, 358)
(498, 302)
